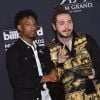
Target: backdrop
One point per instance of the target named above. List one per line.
(86, 14)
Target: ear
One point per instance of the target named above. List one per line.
(53, 26)
(19, 27)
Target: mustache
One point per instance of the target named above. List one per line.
(66, 30)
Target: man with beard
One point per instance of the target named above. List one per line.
(29, 67)
(76, 57)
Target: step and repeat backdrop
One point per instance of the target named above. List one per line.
(86, 14)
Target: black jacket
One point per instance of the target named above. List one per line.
(23, 72)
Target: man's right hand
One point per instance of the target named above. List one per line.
(51, 77)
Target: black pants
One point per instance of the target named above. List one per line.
(57, 92)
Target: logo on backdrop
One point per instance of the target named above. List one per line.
(76, 5)
(10, 36)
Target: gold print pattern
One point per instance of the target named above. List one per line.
(81, 64)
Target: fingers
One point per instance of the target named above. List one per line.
(93, 74)
(49, 78)
(52, 78)
(61, 50)
(62, 59)
(62, 55)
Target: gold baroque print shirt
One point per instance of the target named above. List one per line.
(77, 66)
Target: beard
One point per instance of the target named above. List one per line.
(64, 39)
(69, 32)
(33, 37)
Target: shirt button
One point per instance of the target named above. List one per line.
(25, 58)
(28, 47)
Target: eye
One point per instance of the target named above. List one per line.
(70, 22)
(27, 24)
(34, 25)
(61, 22)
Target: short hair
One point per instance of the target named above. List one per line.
(59, 9)
(22, 14)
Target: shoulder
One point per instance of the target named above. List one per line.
(91, 42)
(88, 36)
(85, 35)
(79, 35)
(12, 50)
(54, 44)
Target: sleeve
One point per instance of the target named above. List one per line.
(47, 60)
(15, 72)
(94, 50)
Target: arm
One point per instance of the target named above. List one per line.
(51, 73)
(94, 50)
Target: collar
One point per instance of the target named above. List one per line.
(34, 44)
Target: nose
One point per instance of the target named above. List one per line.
(33, 26)
(66, 25)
